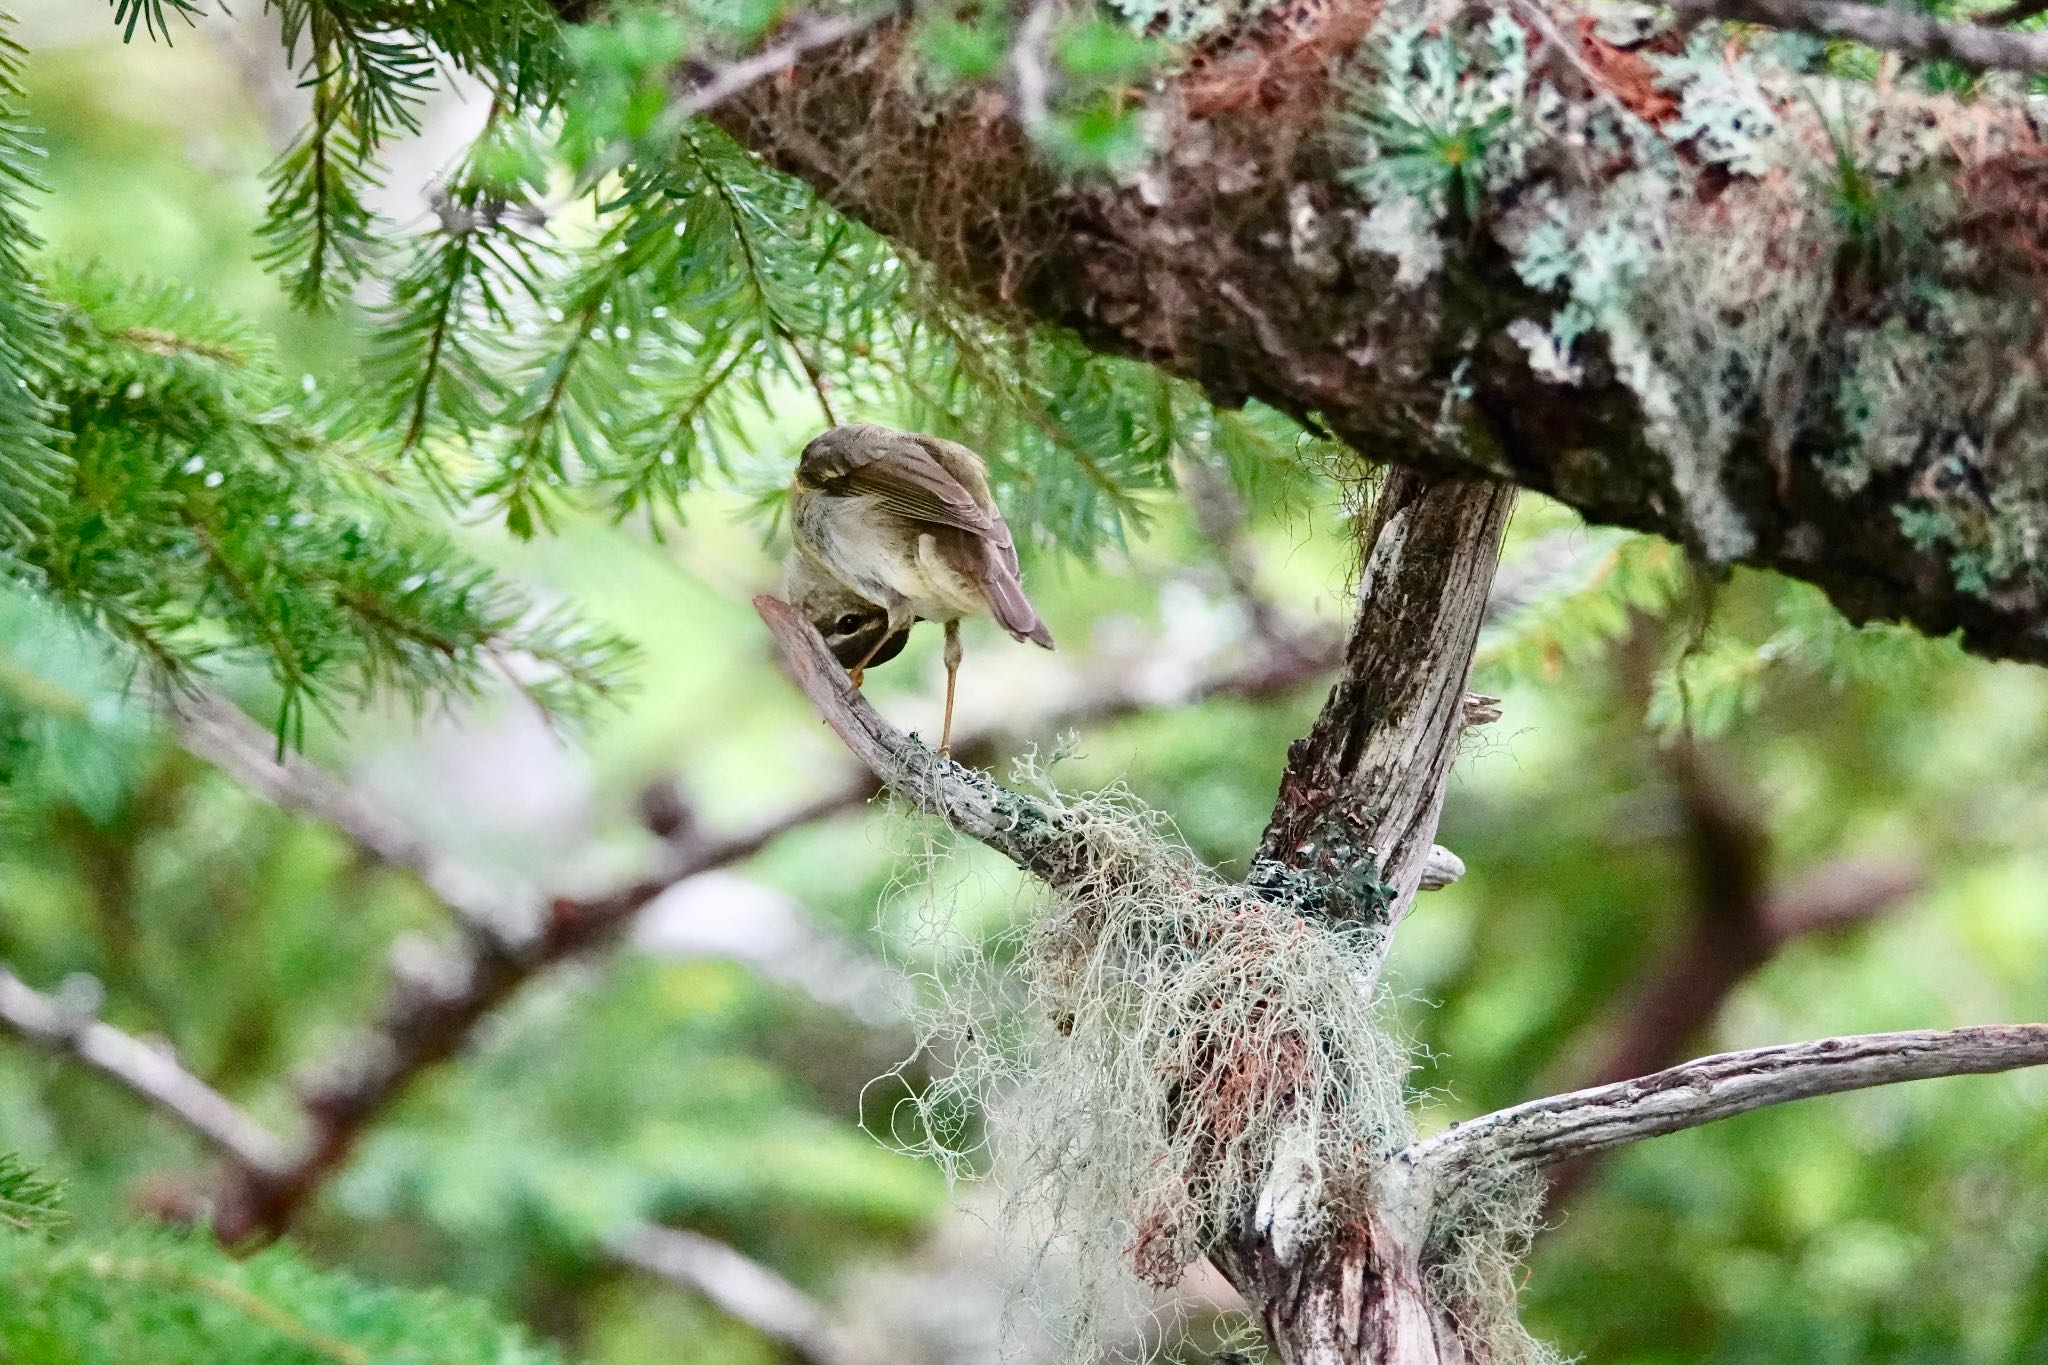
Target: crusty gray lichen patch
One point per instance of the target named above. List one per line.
(1783, 271)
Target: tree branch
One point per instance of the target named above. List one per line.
(1563, 1126)
(216, 731)
(1230, 258)
(146, 1070)
(1972, 46)
(432, 1015)
(1021, 829)
(1357, 808)
(1737, 922)
(734, 1283)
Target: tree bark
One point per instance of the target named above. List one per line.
(1357, 1298)
(1359, 799)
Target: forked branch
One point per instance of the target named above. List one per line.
(1563, 1126)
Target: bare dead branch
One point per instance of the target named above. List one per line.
(1972, 46)
(1019, 828)
(1549, 1130)
(735, 1283)
(1362, 791)
(147, 1070)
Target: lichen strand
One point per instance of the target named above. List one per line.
(1472, 1262)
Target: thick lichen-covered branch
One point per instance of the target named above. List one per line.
(1459, 253)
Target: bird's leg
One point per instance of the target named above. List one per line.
(952, 676)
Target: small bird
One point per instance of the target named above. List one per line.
(855, 629)
(906, 522)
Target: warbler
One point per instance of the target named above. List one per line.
(906, 523)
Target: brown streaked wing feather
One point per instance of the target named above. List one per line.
(995, 570)
(902, 475)
(992, 565)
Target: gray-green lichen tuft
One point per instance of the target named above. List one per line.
(1183, 1047)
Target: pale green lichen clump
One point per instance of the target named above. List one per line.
(1158, 1053)
(1143, 1047)
(1479, 1238)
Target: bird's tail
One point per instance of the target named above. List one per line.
(1003, 586)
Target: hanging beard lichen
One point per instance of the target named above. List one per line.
(1178, 1042)
(1479, 1237)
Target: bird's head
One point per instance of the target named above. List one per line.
(851, 625)
(851, 633)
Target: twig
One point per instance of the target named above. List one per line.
(1972, 46)
(1029, 81)
(148, 1071)
(1220, 517)
(1549, 1130)
(1538, 18)
(743, 1287)
(705, 90)
(215, 730)
(700, 87)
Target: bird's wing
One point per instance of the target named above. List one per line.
(902, 473)
(995, 570)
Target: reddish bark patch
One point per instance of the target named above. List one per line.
(1627, 73)
(1280, 61)
(2008, 217)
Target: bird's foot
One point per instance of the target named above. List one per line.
(856, 676)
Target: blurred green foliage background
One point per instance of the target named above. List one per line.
(695, 1076)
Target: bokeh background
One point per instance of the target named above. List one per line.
(1799, 831)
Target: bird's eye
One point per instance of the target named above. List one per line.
(847, 624)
